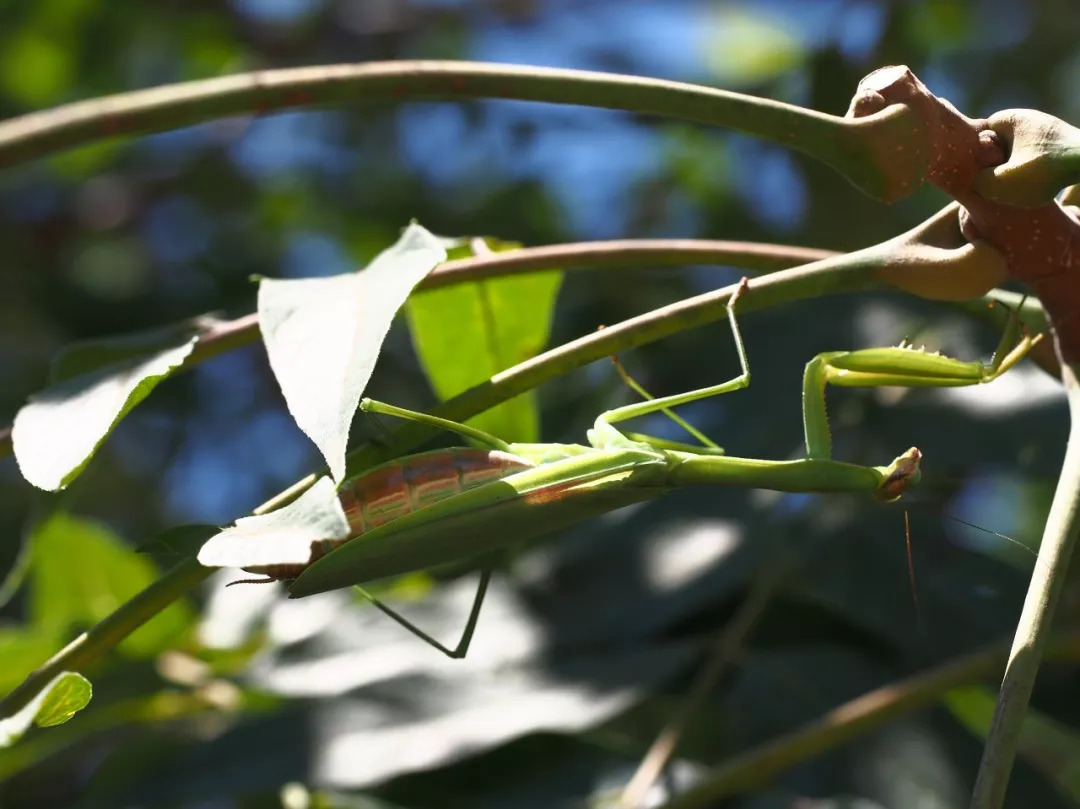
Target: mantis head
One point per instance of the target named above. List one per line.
(901, 473)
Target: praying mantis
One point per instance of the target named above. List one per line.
(434, 508)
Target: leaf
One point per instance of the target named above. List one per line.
(280, 537)
(323, 336)
(82, 572)
(94, 384)
(467, 333)
(65, 695)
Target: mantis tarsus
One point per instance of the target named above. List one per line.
(548, 486)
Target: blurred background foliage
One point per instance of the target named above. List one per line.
(591, 638)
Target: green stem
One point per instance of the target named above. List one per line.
(129, 616)
(101, 639)
(863, 150)
(1047, 581)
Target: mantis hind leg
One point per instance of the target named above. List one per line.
(372, 406)
(463, 643)
(605, 434)
(710, 446)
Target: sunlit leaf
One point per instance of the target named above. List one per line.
(65, 695)
(94, 385)
(467, 333)
(280, 537)
(323, 335)
(82, 572)
(68, 694)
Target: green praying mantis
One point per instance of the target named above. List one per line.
(434, 508)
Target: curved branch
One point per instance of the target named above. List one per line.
(863, 149)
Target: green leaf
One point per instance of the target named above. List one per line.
(323, 336)
(82, 572)
(1051, 747)
(65, 695)
(282, 537)
(466, 333)
(94, 385)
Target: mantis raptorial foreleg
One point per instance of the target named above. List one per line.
(901, 366)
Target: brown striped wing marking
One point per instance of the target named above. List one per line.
(400, 487)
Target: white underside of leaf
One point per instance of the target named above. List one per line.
(57, 432)
(323, 336)
(282, 537)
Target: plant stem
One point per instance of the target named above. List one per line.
(230, 334)
(1047, 580)
(128, 617)
(863, 149)
(108, 632)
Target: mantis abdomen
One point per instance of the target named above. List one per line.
(394, 489)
